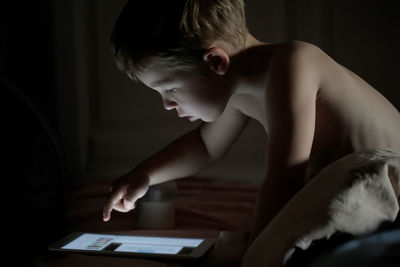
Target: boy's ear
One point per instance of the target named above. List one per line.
(217, 59)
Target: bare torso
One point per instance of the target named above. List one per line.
(350, 114)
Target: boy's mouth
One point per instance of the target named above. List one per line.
(192, 119)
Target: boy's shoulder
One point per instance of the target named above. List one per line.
(291, 56)
(294, 50)
(283, 69)
(290, 48)
(283, 56)
(296, 59)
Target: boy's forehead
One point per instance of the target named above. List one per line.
(154, 75)
(159, 73)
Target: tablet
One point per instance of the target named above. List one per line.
(134, 245)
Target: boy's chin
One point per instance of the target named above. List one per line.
(209, 119)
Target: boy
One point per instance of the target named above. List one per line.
(204, 63)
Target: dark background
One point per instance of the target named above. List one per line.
(32, 175)
(26, 51)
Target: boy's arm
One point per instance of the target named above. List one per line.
(197, 149)
(291, 105)
(185, 156)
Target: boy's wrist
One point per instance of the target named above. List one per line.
(137, 173)
(157, 169)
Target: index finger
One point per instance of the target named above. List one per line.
(109, 206)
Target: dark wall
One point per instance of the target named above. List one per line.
(32, 174)
(26, 51)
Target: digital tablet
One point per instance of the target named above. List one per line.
(133, 245)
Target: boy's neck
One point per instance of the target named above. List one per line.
(245, 67)
(251, 41)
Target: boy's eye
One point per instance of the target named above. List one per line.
(172, 90)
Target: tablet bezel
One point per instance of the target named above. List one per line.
(198, 252)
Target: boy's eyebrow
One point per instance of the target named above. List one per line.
(156, 83)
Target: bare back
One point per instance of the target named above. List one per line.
(350, 114)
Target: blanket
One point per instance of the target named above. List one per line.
(353, 195)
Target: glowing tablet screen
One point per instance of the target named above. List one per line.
(139, 244)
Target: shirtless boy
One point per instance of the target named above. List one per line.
(206, 66)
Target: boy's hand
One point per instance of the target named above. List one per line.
(125, 192)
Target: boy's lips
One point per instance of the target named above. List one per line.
(191, 118)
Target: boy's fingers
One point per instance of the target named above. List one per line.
(135, 192)
(128, 204)
(132, 195)
(106, 215)
(122, 199)
(111, 203)
(121, 208)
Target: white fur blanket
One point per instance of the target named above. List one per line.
(352, 195)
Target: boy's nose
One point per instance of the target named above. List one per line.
(169, 104)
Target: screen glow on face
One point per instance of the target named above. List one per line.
(139, 244)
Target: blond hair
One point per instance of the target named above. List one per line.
(174, 32)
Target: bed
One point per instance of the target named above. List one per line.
(348, 209)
